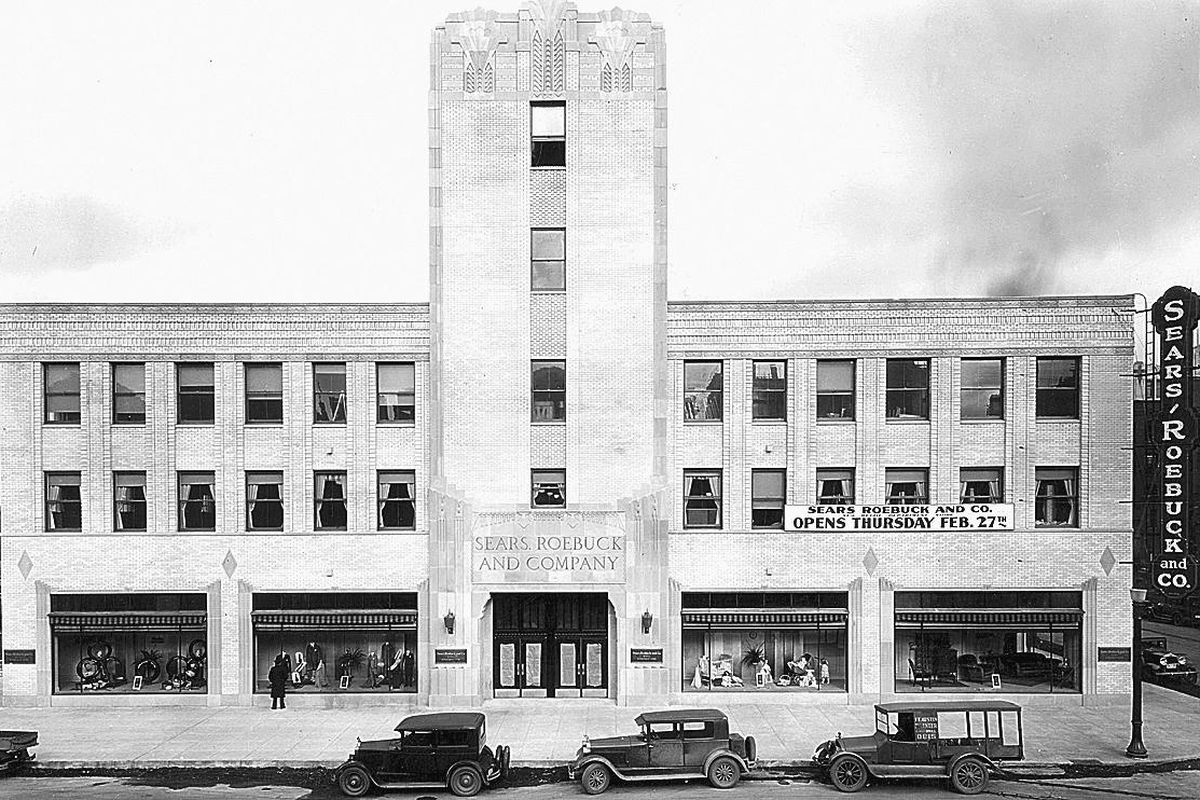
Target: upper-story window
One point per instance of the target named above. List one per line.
(397, 500)
(1058, 387)
(767, 497)
(329, 392)
(129, 501)
(982, 390)
(196, 394)
(702, 498)
(907, 486)
(329, 501)
(64, 501)
(1057, 497)
(548, 130)
(396, 392)
(835, 389)
(770, 390)
(981, 485)
(197, 501)
(702, 390)
(835, 487)
(548, 259)
(549, 381)
(129, 394)
(548, 488)
(60, 392)
(908, 388)
(264, 393)
(264, 501)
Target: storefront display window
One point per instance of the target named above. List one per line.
(1006, 641)
(129, 643)
(337, 641)
(764, 641)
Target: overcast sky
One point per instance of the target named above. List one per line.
(228, 151)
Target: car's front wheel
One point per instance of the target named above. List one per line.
(354, 781)
(969, 776)
(724, 772)
(596, 778)
(464, 781)
(847, 772)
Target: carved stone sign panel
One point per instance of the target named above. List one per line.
(548, 547)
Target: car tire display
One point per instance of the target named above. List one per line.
(969, 776)
(464, 781)
(596, 778)
(354, 781)
(724, 772)
(848, 773)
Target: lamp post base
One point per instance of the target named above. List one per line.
(1136, 748)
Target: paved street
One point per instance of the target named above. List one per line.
(1167, 786)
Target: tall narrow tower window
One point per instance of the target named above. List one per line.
(548, 259)
(548, 128)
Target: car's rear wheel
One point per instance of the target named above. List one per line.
(354, 781)
(596, 778)
(847, 772)
(969, 776)
(724, 772)
(464, 781)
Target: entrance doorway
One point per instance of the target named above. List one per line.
(550, 645)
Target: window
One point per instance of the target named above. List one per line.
(264, 501)
(197, 501)
(835, 487)
(702, 499)
(329, 501)
(835, 390)
(767, 497)
(397, 501)
(329, 393)
(981, 486)
(60, 389)
(548, 259)
(1058, 387)
(264, 393)
(129, 501)
(982, 392)
(129, 393)
(770, 390)
(1057, 497)
(196, 394)
(549, 488)
(64, 502)
(702, 390)
(548, 129)
(907, 388)
(907, 486)
(549, 391)
(396, 393)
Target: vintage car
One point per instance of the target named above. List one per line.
(433, 751)
(1160, 665)
(679, 744)
(959, 741)
(14, 748)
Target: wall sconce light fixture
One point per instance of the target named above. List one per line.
(449, 620)
(647, 620)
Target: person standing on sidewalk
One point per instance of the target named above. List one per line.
(278, 678)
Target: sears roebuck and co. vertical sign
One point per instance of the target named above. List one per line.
(1174, 571)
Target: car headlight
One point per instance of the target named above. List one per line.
(1183, 660)
(586, 746)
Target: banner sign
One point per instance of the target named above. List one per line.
(946, 517)
(1176, 542)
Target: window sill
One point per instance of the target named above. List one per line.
(396, 423)
(770, 422)
(907, 420)
(264, 530)
(196, 530)
(187, 423)
(62, 424)
(549, 423)
(982, 420)
(330, 530)
(561, 291)
(329, 424)
(549, 168)
(696, 529)
(704, 422)
(63, 530)
(836, 421)
(1057, 528)
(141, 424)
(263, 423)
(396, 530)
(1056, 419)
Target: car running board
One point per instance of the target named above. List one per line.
(413, 785)
(907, 770)
(674, 776)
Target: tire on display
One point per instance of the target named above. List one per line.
(464, 781)
(724, 772)
(847, 772)
(596, 778)
(969, 776)
(354, 781)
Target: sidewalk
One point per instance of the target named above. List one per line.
(541, 733)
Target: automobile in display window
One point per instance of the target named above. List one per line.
(432, 751)
(1161, 665)
(679, 744)
(961, 742)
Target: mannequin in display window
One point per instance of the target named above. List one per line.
(394, 670)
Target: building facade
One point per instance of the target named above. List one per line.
(549, 481)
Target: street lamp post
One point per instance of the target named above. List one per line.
(1136, 748)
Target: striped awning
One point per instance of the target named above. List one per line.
(986, 618)
(759, 618)
(385, 620)
(127, 621)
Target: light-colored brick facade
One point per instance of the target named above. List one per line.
(624, 443)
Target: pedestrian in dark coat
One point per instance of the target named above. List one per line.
(278, 678)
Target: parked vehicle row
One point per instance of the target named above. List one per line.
(963, 742)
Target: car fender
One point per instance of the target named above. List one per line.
(715, 754)
(354, 762)
(466, 762)
(980, 756)
(867, 765)
(577, 769)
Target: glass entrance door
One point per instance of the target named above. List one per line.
(550, 645)
(518, 666)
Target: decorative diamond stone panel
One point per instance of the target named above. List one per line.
(230, 563)
(25, 564)
(1108, 561)
(870, 561)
